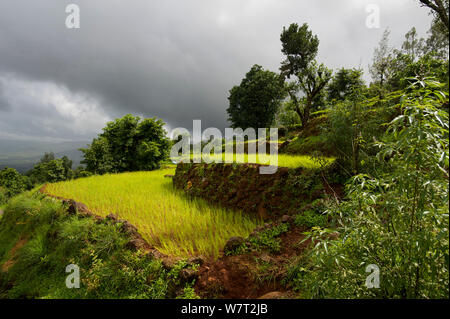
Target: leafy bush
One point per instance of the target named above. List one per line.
(11, 184)
(310, 218)
(51, 169)
(3, 197)
(308, 145)
(397, 220)
(128, 144)
(268, 238)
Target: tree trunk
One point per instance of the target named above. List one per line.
(438, 7)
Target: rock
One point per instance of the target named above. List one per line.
(272, 295)
(112, 217)
(136, 244)
(233, 243)
(168, 263)
(128, 228)
(152, 254)
(98, 220)
(74, 207)
(199, 260)
(71, 206)
(188, 275)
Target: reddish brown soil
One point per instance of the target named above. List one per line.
(242, 276)
(10, 262)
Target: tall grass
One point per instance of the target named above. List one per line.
(166, 218)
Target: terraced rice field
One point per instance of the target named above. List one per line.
(281, 160)
(166, 218)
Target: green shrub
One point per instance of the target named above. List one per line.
(268, 238)
(12, 183)
(3, 197)
(397, 220)
(128, 144)
(310, 218)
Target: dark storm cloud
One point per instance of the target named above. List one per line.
(4, 104)
(172, 59)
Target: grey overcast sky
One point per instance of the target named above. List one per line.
(175, 60)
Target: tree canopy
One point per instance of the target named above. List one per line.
(128, 144)
(300, 47)
(256, 100)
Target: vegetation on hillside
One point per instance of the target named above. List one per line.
(395, 218)
(39, 239)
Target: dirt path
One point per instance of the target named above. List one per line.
(252, 275)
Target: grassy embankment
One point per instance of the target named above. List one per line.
(39, 238)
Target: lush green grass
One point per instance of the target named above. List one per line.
(165, 217)
(281, 160)
(38, 239)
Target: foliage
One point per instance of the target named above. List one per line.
(308, 145)
(268, 239)
(352, 126)
(311, 82)
(344, 83)
(80, 172)
(311, 218)
(286, 115)
(51, 239)
(405, 69)
(418, 58)
(3, 197)
(256, 100)
(299, 46)
(439, 8)
(396, 219)
(128, 144)
(55, 170)
(380, 69)
(11, 183)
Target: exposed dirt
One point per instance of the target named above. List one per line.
(10, 262)
(257, 274)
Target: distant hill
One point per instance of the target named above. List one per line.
(23, 155)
